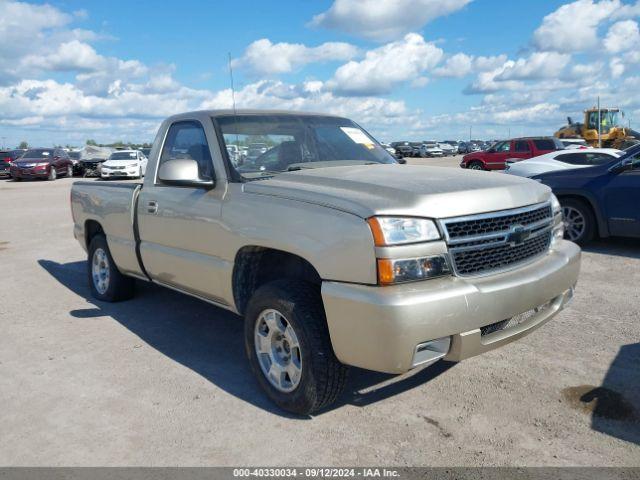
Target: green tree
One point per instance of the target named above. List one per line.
(91, 141)
(23, 145)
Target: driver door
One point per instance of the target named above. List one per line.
(622, 197)
(496, 159)
(180, 229)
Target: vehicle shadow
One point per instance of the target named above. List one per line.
(618, 246)
(617, 412)
(209, 341)
(614, 406)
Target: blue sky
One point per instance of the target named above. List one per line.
(405, 69)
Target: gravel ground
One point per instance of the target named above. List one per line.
(162, 379)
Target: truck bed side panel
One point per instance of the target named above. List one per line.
(112, 206)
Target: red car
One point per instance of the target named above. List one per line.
(42, 163)
(495, 158)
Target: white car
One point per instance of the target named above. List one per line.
(574, 143)
(124, 163)
(561, 160)
(447, 149)
(389, 148)
(429, 149)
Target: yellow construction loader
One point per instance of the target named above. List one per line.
(612, 133)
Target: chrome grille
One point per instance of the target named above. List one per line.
(481, 244)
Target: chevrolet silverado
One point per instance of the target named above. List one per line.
(334, 253)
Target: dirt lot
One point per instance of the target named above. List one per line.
(162, 379)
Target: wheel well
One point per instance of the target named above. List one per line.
(91, 229)
(602, 229)
(256, 266)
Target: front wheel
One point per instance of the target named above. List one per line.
(53, 174)
(289, 349)
(579, 221)
(105, 280)
(69, 171)
(475, 166)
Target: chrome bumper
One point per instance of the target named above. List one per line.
(380, 328)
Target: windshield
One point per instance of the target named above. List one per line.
(122, 156)
(607, 119)
(38, 153)
(280, 143)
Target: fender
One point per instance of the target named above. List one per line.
(601, 218)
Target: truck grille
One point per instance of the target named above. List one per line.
(481, 244)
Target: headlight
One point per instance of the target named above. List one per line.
(399, 231)
(132, 165)
(391, 271)
(42, 164)
(558, 221)
(555, 205)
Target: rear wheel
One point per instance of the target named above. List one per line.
(106, 281)
(579, 221)
(475, 166)
(289, 349)
(52, 173)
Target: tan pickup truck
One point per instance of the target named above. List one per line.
(334, 253)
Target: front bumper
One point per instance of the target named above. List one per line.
(130, 172)
(29, 173)
(379, 328)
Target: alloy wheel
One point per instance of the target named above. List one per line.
(278, 350)
(100, 271)
(574, 223)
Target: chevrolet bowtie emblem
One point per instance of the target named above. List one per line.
(517, 235)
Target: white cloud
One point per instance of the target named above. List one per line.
(384, 19)
(537, 66)
(461, 65)
(69, 56)
(311, 96)
(386, 66)
(622, 36)
(617, 67)
(264, 57)
(573, 27)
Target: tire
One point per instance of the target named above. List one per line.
(69, 171)
(53, 174)
(320, 376)
(475, 165)
(117, 286)
(17, 179)
(579, 220)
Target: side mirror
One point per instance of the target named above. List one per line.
(623, 166)
(183, 173)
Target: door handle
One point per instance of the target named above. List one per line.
(152, 207)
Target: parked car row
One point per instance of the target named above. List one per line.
(425, 149)
(50, 163)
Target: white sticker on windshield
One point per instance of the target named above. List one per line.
(45, 154)
(358, 136)
(132, 155)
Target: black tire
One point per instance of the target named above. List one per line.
(475, 165)
(120, 287)
(579, 207)
(17, 179)
(323, 377)
(53, 174)
(69, 171)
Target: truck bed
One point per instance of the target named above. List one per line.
(112, 206)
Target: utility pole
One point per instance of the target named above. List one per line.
(470, 132)
(599, 124)
(509, 135)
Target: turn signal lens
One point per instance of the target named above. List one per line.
(391, 271)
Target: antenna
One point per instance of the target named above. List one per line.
(235, 118)
(233, 90)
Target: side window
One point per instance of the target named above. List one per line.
(504, 147)
(571, 158)
(522, 146)
(187, 140)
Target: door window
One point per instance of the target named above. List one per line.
(187, 141)
(522, 146)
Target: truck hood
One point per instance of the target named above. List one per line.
(435, 192)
